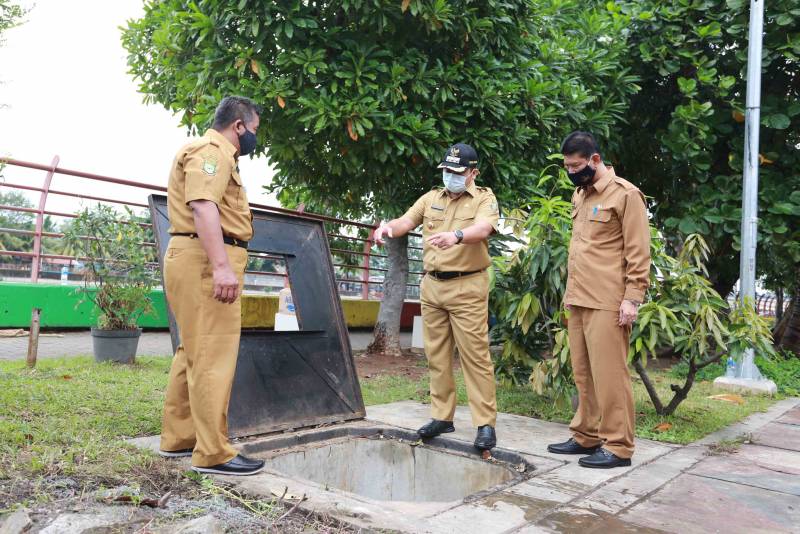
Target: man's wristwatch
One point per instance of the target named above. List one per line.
(459, 236)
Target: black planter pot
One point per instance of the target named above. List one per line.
(115, 345)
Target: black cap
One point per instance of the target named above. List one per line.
(459, 158)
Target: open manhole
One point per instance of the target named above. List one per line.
(391, 465)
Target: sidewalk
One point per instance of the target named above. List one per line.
(150, 344)
(691, 489)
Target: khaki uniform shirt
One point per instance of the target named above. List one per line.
(609, 254)
(437, 212)
(206, 169)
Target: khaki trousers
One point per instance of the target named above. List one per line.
(599, 350)
(455, 312)
(200, 380)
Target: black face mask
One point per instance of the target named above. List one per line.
(247, 142)
(583, 177)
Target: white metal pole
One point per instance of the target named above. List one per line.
(747, 267)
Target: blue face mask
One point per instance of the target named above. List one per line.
(455, 183)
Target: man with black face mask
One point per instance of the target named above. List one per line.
(608, 275)
(210, 223)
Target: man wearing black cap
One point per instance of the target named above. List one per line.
(456, 223)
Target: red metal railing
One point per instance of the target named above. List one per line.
(362, 245)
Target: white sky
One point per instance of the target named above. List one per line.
(65, 82)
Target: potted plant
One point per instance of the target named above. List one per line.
(118, 277)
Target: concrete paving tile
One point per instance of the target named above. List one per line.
(517, 432)
(694, 504)
(762, 467)
(792, 417)
(778, 435)
(624, 491)
(585, 521)
(501, 513)
(533, 490)
(607, 500)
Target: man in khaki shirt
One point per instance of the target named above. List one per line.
(203, 277)
(456, 223)
(609, 272)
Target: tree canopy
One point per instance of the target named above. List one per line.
(362, 97)
(685, 141)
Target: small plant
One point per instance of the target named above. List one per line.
(728, 446)
(119, 274)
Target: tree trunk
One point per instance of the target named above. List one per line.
(788, 331)
(386, 338)
(648, 385)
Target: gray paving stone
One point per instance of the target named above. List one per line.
(778, 435)
(695, 504)
(763, 467)
(792, 417)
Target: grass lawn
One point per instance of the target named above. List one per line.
(69, 417)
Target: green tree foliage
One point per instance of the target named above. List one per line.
(683, 314)
(21, 220)
(362, 97)
(119, 271)
(11, 14)
(684, 145)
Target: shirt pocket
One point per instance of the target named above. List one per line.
(601, 223)
(464, 216)
(432, 221)
(234, 194)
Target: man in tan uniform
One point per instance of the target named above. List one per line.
(204, 268)
(456, 223)
(609, 272)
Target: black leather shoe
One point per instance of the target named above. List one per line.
(240, 465)
(486, 438)
(181, 453)
(436, 427)
(604, 459)
(571, 447)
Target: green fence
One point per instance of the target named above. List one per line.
(60, 308)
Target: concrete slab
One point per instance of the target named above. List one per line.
(516, 432)
(778, 435)
(498, 513)
(622, 492)
(766, 387)
(668, 488)
(792, 417)
(761, 467)
(696, 504)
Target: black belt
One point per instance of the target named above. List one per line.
(225, 239)
(449, 275)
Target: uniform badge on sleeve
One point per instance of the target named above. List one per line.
(210, 165)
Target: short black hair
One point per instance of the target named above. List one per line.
(234, 108)
(581, 143)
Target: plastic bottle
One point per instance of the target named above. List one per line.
(730, 368)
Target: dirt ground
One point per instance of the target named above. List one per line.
(411, 364)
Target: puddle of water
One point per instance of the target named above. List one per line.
(592, 521)
(531, 506)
